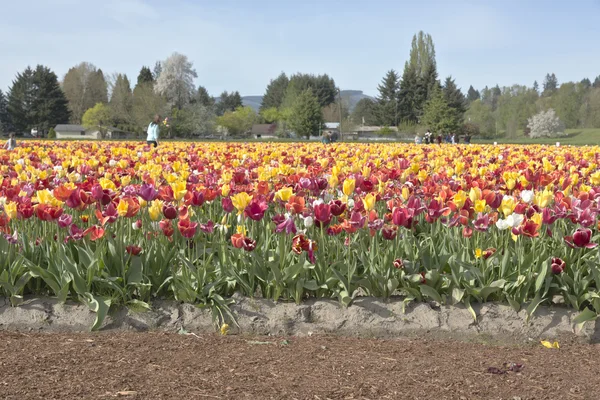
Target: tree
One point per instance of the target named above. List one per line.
(596, 83)
(413, 95)
(536, 87)
(514, 106)
(5, 125)
(145, 76)
(567, 101)
(481, 115)
(202, 97)
(589, 112)
(438, 115)
(550, 84)
(51, 133)
(121, 101)
(98, 117)
(335, 111)
(36, 100)
(275, 92)
(545, 124)
(387, 100)
(586, 83)
(364, 112)
(270, 115)
(306, 118)
(192, 121)
(455, 98)
(472, 94)
(228, 102)
(157, 70)
(322, 86)
(491, 96)
(176, 80)
(239, 121)
(84, 86)
(146, 104)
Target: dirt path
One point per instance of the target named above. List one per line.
(174, 366)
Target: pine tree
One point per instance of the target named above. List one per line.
(550, 84)
(455, 98)
(586, 83)
(5, 125)
(228, 102)
(275, 92)
(596, 83)
(36, 100)
(473, 94)
(412, 96)
(306, 117)
(202, 97)
(121, 101)
(387, 100)
(438, 115)
(145, 76)
(536, 87)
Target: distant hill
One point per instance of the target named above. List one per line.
(350, 97)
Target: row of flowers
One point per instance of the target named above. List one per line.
(449, 223)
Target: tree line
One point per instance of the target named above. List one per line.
(413, 101)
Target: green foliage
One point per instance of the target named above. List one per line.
(36, 100)
(202, 97)
(192, 121)
(481, 115)
(515, 106)
(470, 129)
(455, 98)
(275, 92)
(306, 117)
(238, 122)
(228, 102)
(413, 95)
(84, 87)
(387, 100)
(121, 101)
(567, 101)
(409, 128)
(364, 112)
(51, 134)
(145, 76)
(270, 115)
(99, 117)
(386, 130)
(322, 86)
(472, 95)
(438, 115)
(5, 125)
(550, 84)
(146, 104)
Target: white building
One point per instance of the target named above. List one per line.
(77, 132)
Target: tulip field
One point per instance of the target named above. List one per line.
(120, 223)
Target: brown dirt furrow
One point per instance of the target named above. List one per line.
(172, 366)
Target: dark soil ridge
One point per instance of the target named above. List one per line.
(366, 317)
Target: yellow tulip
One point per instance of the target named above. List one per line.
(349, 185)
(333, 181)
(284, 194)
(405, 193)
(478, 253)
(179, 190)
(366, 171)
(11, 209)
(225, 189)
(459, 199)
(155, 210)
(508, 205)
(125, 180)
(537, 218)
(422, 175)
(369, 201)
(480, 206)
(474, 194)
(122, 208)
(241, 201)
(107, 184)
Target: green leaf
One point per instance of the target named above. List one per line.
(584, 316)
(541, 277)
(134, 273)
(100, 305)
(457, 295)
(534, 305)
(139, 306)
(430, 292)
(492, 288)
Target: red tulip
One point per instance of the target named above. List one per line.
(488, 253)
(337, 207)
(581, 238)
(169, 211)
(166, 227)
(398, 263)
(389, 232)
(187, 228)
(248, 244)
(237, 240)
(48, 213)
(256, 209)
(133, 250)
(323, 213)
(557, 265)
(94, 232)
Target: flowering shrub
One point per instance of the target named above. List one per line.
(124, 223)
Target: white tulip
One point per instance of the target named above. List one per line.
(527, 196)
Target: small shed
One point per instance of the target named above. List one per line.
(264, 131)
(72, 131)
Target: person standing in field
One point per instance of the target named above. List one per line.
(153, 131)
(11, 143)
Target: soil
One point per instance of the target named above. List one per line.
(160, 365)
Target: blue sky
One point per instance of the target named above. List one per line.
(242, 44)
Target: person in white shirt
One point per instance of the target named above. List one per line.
(153, 131)
(11, 143)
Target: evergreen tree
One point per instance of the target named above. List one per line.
(306, 117)
(412, 95)
(275, 93)
(455, 98)
(228, 102)
(121, 101)
(202, 97)
(387, 100)
(438, 115)
(536, 87)
(322, 86)
(586, 83)
(550, 84)
(473, 94)
(37, 101)
(596, 83)
(157, 70)
(364, 112)
(5, 125)
(145, 76)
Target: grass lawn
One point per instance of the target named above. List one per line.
(576, 137)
